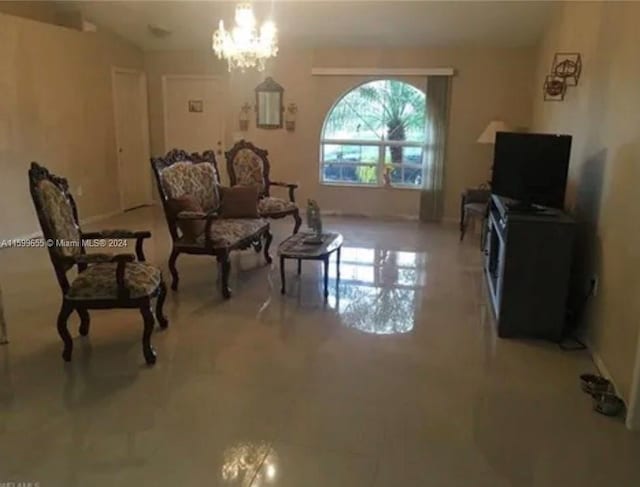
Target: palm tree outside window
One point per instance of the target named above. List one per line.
(377, 127)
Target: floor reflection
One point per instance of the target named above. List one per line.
(249, 463)
(378, 289)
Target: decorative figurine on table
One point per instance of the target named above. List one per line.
(314, 222)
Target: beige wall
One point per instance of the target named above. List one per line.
(56, 108)
(42, 11)
(489, 83)
(603, 115)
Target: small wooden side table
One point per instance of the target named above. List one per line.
(298, 247)
(473, 203)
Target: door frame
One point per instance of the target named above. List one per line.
(142, 87)
(165, 78)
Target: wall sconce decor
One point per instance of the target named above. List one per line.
(565, 72)
(245, 110)
(568, 66)
(554, 88)
(290, 117)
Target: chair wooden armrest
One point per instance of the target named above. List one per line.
(83, 260)
(292, 187)
(117, 233)
(196, 215)
(209, 218)
(139, 237)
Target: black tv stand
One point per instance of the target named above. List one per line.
(527, 265)
(522, 207)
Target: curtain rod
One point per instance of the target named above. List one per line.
(382, 71)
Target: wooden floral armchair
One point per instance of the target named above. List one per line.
(104, 281)
(179, 174)
(248, 165)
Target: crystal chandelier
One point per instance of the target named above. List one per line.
(243, 47)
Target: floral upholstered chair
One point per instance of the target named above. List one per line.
(249, 166)
(103, 281)
(198, 228)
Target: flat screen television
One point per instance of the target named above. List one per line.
(531, 168)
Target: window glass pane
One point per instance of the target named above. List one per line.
(351, 153)
(406, 165)
(406, 175)
(352, 174)
(378, 111)
(331, 173)
(403, 155)
(351, 119)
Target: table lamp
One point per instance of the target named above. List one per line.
(488, 136)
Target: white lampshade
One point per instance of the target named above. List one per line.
(489, 134)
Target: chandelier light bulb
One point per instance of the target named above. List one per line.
(244, 15)
(268, 30)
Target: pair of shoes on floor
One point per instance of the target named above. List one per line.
(605, 400)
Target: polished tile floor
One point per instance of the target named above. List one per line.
(398, 380)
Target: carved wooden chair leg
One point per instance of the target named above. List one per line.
(149, 322)
(225, 267)
(162, 294)
(296, 217)
(175, 279)
(267, 243)
(63, 331)
(463, 224)
(85, 320)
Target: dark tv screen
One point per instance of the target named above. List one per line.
(531, 168)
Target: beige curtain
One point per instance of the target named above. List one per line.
(431, 195)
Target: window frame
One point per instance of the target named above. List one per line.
(382, 146)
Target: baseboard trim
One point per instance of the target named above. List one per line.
(97, 218)
(83, 221)
(368, 215)
(604, 372)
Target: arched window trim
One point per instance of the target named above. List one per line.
(381, 144)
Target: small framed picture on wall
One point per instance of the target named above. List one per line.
(196, 106)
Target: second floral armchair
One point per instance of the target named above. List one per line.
(249, 165)
(188, 188)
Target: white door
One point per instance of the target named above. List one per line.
(194, 114)
(132, 138)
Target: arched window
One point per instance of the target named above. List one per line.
(375, 133)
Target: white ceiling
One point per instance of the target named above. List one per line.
(308, 23)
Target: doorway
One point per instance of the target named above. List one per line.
(132, 137)
(194, 113)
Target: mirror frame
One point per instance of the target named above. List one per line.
(270, 86)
